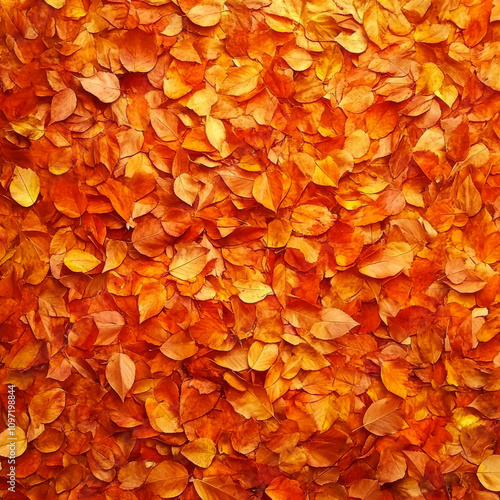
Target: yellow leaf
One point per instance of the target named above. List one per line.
(376, 23)
(430, 80)
(13, 442)
(355, 43)
(432, 33)
(324, 412)
(25, 186)
(79, 261)
(200, 452)
(174, 26)
(165, 124)
(202, 101)
(357, 144)
(394, 258)
(188, 262)
(251, 403)
(120, 373)
(278, 233)
(30, 127)
(489, 73)
(488, 473)
(448, 93)
(162, 416)
(216, 135)
(240, 81)
(358, 99)
(57, 4)
(330, 64)
(326, 172)
(334, 323)
(252, 291)
(261, 356)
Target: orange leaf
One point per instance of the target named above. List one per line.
(152, 299)
(120, 373)
(168, 479)
(383, 417)
(105, 86)
(63, 105)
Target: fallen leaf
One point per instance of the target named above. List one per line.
(120, 373)
(47, 406)
(63, 105)
(488, 473)
(79, 261)
(383, 417)
(200, 452)
(168, 479)
(25, 186)
(105, 86)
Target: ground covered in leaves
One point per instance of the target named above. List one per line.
(250, 249)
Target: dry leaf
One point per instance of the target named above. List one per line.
(25, 186)
(120, 373)
(63, 105)
(383, 417)
(105, 86)
(201, 452)
(79, 261)
(488, 473)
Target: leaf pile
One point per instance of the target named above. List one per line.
(250, 250)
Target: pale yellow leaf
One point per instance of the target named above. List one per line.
(25, 186)
(252, 291)
(488, 473)
(13, 442)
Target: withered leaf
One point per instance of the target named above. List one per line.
(120, 373)
(47, 406)
(80, 261)
(383, 417)
(63, 105)
(105, 86)
(168, 479)
(25, 186)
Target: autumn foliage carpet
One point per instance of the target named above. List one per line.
(250, 249)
